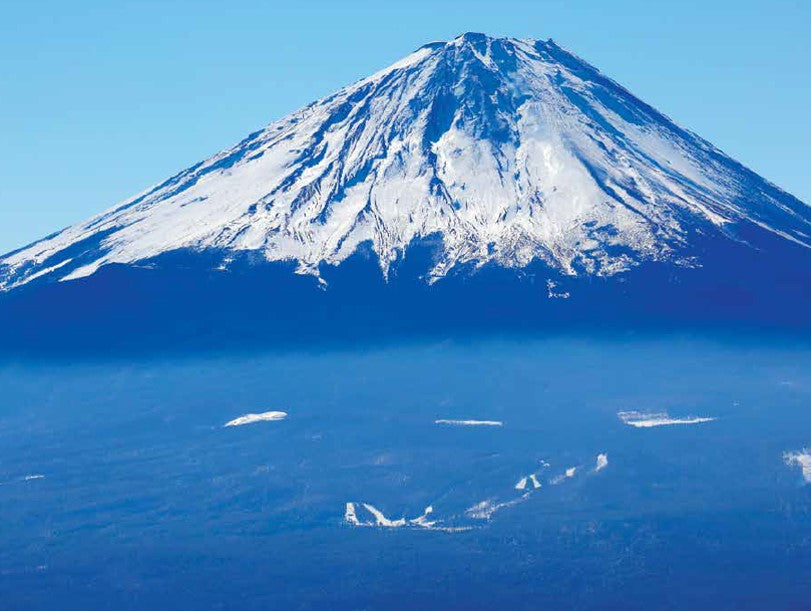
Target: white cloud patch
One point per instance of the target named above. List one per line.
(602, 462)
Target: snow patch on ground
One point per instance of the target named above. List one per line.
(251, 418)
(645, 420)
(800, 459)
(469, 422)
(382, 520)
(568, 474)
(485, 509)
(351, 515)
(532, 479)
(526, 486)
(379, 519)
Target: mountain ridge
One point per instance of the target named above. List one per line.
(511, 150)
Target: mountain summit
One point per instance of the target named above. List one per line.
(502, 151)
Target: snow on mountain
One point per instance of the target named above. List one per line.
(509, 150)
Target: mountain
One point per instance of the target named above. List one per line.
(467, 160)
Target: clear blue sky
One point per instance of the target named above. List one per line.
(100, 99)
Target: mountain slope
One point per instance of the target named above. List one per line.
(505, 152)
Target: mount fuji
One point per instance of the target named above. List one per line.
(480, 182)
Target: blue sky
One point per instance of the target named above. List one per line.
(100, 99)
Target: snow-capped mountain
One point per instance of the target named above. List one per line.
(509, 151)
